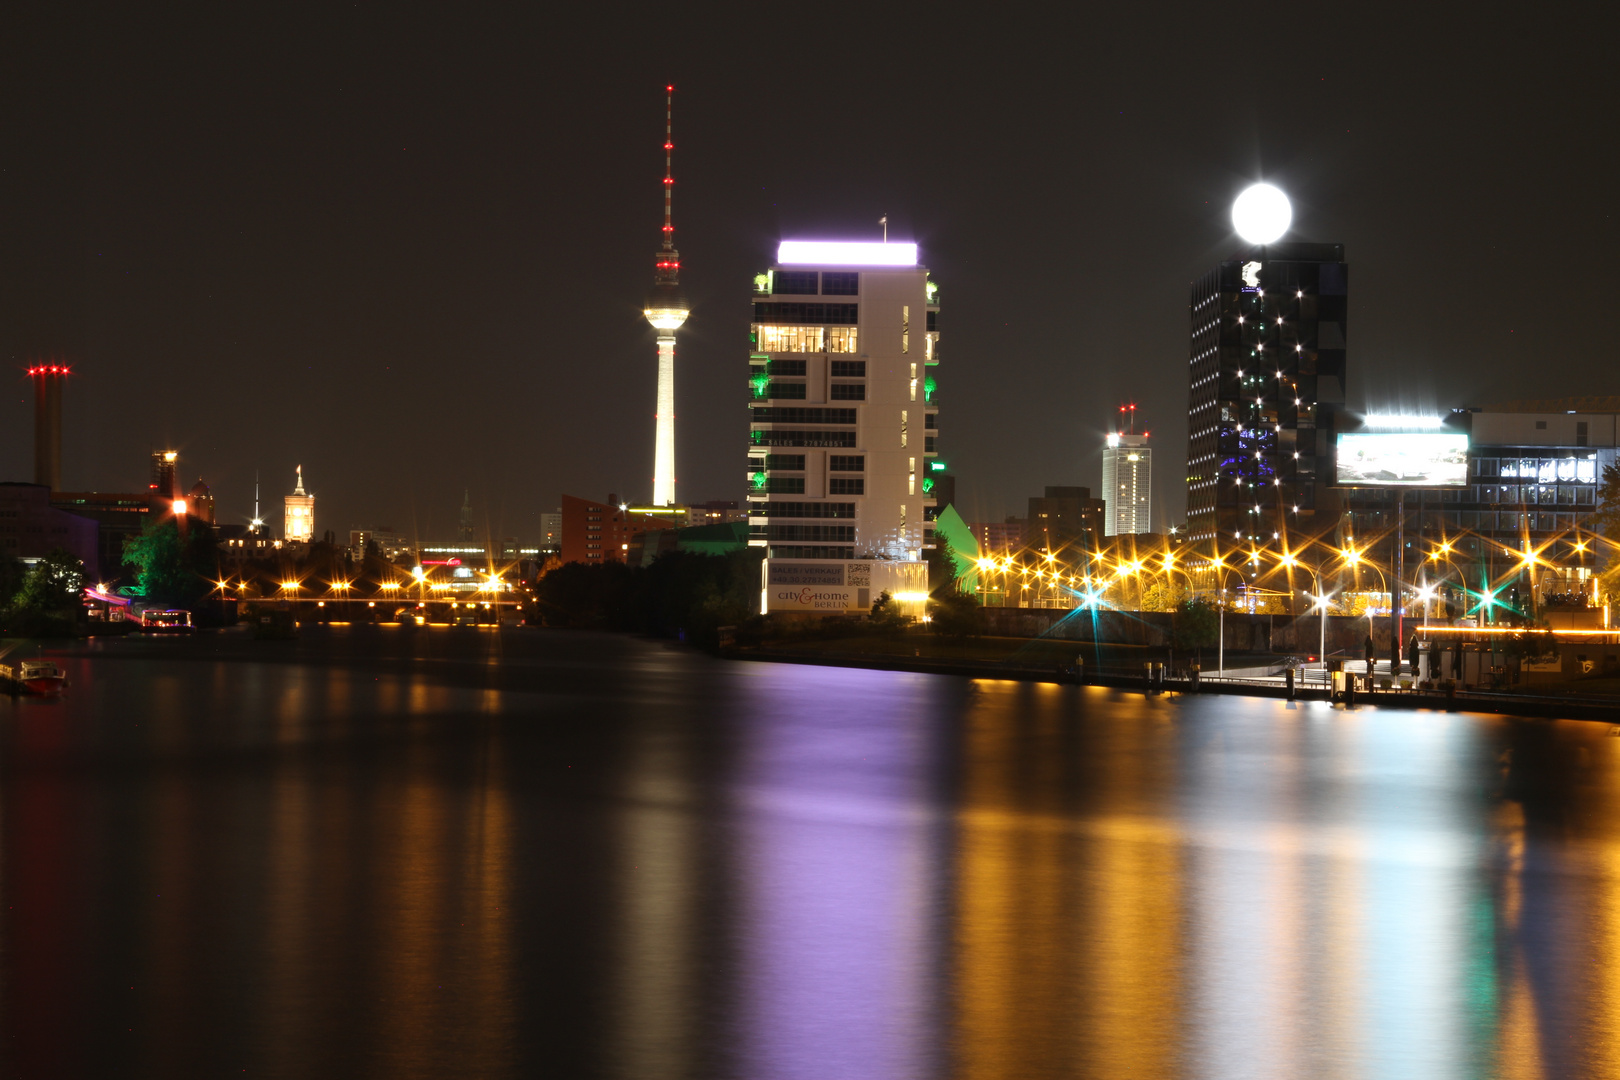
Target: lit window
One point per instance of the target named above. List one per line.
(780, 339)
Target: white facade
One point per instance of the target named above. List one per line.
(1127, 485)
(300, 514)
(841, 395)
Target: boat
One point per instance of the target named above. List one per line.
(33, 677)
(172, 621)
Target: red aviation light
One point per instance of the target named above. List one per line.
(669, 180)
(669, 146)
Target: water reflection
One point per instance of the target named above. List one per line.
(837, 973)
(607, 858)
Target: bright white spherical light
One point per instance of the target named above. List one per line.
(1261, 214)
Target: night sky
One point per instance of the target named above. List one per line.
(407, 247)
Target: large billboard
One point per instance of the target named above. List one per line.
(1403, 459)
(842, 586)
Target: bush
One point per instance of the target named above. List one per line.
(957, 615)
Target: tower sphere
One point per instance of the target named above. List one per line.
(1261, 214)
(666, 306)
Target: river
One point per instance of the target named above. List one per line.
(378, 852)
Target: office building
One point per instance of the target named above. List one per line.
(1267, 331)
(715, 512)
(551, 532)
(598, 532)
(1064, 519)
(1127, 485)
(31, 528)
(842, 412)
(1534, 470)
(299, 527)
(465, 531)
(999, 537)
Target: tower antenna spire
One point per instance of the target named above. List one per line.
(669, 169)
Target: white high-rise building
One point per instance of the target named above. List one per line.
(843, 419)
(1127, 484)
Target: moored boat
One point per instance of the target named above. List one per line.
(33, 677)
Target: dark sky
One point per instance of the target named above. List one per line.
(407, 247)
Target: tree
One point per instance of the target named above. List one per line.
(12, 573)
(886, 613)
(50, 597)
(1194, 625)
(169, 569)
(1162, 596)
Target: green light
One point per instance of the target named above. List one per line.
(937, 466)
(760, 383)
(928, 388)
(759, 480)
(928, 484)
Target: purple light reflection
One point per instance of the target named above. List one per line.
(838, 977)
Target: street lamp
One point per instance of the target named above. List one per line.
(1218, 563)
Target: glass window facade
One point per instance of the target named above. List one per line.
(791, 339)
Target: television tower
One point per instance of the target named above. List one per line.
(666, 310)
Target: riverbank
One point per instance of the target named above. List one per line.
(1125, 667)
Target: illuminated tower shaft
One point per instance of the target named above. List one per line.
(666, 310)
(664, 436)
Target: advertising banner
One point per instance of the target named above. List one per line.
(1403, 459)
(824, 585)
(842, 586)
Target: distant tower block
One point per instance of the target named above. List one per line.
(1127, 484)
(48, 384)
(467, 530)
(666, 310)
(300, 514)
(165, 464)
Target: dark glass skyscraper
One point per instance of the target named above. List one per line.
(1267, 365)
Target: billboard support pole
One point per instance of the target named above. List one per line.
(1396, 622)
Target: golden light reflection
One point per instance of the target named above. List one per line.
(1048, 911)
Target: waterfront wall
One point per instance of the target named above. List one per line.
(1298, 634)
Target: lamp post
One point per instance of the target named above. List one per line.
(1291, 562)
(1220, 649)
